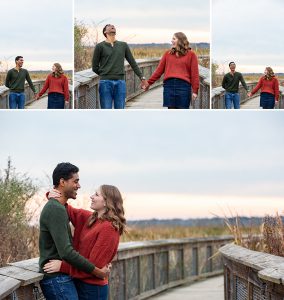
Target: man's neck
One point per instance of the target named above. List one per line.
(62, 199)
(111, 40)
(233, 72)
(18, 68)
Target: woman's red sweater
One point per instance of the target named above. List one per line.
(98, 243)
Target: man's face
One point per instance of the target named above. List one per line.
(71, 186)
(232, 67)
(20, 62)
(110, 30)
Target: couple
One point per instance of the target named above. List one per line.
(179, 66)
(268, 84)
(56, 83)
(77, 268)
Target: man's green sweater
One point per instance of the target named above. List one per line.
(231, 82)
(108, 61)
(55, 240)
(15, 80)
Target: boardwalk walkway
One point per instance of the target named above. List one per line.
(251, 104)
(38, 104)
(153, 99)
(212, 288)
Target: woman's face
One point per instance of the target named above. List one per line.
(53, 68)
(98, 202)
(265, 72)
(174, 41)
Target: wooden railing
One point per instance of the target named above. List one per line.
(86, 85)
(252, 275)
(141, 269)
(38, 84)
(218, 96)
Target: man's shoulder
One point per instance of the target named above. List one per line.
(121, 43)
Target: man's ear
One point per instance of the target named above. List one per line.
(62, 182)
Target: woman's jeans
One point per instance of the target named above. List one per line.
(17, 100)
(55, 101)
(61, 287)
(112, 91)
(88, 291)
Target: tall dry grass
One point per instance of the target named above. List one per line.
(268, 237)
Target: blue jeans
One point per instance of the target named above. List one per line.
(232, 98)
(17, 100)
(267, 100)
(61, 287)
(112, 91)
(55, 101)
(88, 291)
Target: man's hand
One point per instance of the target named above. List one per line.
(102, 273)
(36, 96)
(194, 96)
(249, 94)
(145, 85)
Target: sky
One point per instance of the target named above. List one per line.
(146, 21)
(41, 32)
(248, 32)
(166, 164)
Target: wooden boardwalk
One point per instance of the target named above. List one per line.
(251, 104)
(152, 99)
(212, 288)
(38, 104)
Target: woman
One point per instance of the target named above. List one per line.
(96, 237)
(180, 69)
(58, 89)
(269, 86)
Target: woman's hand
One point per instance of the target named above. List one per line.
(54, 194)
(52, 266)
(194, 96)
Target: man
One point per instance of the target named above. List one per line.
(15, 81)
(231, 83)
(55, 241)
(108, 63)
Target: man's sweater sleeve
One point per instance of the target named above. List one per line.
(96, 60)
(28, 78)
(59, 231)
(7, 81)
(129, 57)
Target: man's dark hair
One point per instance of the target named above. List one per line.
(104, 29)
(18, 57)
(232, 62)
(65, 171)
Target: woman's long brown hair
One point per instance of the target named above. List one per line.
(270, 74)
(114, 208)
(182, 45)
(59, 71)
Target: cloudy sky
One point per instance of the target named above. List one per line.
(167, 164)
(147, 21)
(248, 32)
(39, 31)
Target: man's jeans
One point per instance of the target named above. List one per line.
(232, 98)
(17, 100)
(112, 91)
(61, 287)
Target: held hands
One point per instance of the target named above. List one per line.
(37, 96)
(52, 266)
(249, 94)
(145, 85)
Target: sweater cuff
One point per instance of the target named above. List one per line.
(65, 267)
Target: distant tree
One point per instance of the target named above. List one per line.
(214, 68)
(80, 31)
(15, 191)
